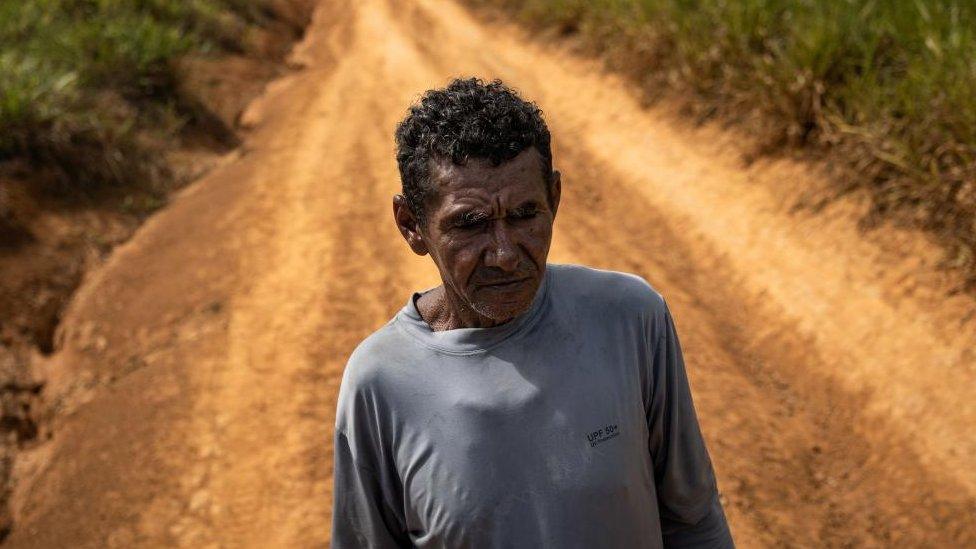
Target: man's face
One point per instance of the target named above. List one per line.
(488, 230)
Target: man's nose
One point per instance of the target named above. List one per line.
(502, 252)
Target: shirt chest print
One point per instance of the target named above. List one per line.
(602, 434)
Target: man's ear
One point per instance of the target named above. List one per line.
(555, 190)
(408, 225)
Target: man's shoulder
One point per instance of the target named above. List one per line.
(376, 357)
(606, 288)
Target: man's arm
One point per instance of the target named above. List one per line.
(690, 512)
(710, 531)
(367, 508)
(362, 516)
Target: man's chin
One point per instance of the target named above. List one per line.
(499, 316)
(503, 308)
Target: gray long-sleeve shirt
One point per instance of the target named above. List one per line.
(570, 426)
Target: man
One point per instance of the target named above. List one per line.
(519, 403)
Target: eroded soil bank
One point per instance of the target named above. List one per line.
(53, 233)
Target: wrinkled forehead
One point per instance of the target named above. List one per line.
(479, 179)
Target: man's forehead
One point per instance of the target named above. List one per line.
(480, 175)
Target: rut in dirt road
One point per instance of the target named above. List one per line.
(193, 391)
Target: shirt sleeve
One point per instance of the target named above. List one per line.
(690, 511)
(362, 515)
(367, 508)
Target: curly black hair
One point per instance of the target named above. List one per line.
(470, 118)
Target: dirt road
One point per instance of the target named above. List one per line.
(192, 395)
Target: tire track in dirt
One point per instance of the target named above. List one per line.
(335, 275)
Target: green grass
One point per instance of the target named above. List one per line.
(82, 82)
(888, 85)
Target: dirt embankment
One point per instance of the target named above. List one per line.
(193, 383)
(52, 236)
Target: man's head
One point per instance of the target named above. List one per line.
(479, 193)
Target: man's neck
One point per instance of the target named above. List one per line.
(443, 310)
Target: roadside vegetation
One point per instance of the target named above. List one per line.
(886, 86)
(89, 89)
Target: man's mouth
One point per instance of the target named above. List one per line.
(504, 284)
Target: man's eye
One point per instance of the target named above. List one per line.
(525, 214)
(470, 223)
